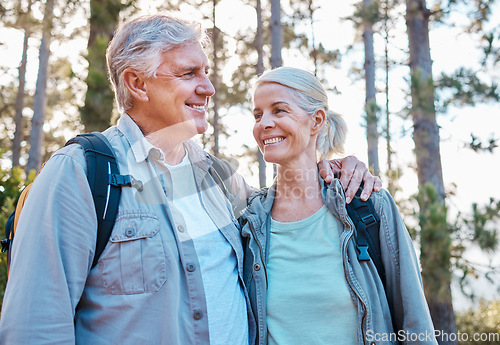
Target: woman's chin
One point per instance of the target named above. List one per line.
(272, 159)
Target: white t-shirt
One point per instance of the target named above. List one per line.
(223, 291)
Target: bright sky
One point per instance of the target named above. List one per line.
(475, 175)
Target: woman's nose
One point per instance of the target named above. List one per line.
(267, 120)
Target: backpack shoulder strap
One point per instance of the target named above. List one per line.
(219, 174)
(367, 224)
(105, 184)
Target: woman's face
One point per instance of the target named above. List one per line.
(284, 132)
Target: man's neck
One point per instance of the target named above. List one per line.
(172, 149)
(168, 139)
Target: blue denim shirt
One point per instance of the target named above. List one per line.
(146, 288)
(403, 281)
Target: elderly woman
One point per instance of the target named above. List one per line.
(301, 269)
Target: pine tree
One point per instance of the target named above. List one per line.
(40, 102)
(434, 230)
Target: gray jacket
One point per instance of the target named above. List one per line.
(147, 287)
(403, 281)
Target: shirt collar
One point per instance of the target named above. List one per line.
(140, 146)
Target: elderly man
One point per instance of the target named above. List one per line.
(171, 272)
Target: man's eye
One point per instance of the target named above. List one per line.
(279, 110)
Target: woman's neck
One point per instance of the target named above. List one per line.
(298, 193)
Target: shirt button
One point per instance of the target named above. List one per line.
(129, 232)
(191, 267)
(180, 228)
(197, 315)
(154, 154)
(256, 267)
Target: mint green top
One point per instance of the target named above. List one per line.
(308, 301)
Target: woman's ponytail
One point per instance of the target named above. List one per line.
(332, 136)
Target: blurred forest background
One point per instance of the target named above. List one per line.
(415, 80)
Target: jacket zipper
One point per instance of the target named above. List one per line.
(363, 320)
(365, 313)
(252, 229)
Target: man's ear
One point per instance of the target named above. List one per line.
(319, 119)
(136, 85)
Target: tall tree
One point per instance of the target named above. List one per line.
(259, 46)
(276, 34)
(99, 99)
(370, 15)
(215, 76)
(305, 12)
(276, 44)
(434, 231)
(385, 23)
(26, 23)
(40, 101)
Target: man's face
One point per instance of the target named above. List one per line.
(179, 94)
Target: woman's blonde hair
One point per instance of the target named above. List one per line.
(311, 96)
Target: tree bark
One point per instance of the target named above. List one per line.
(40, 100)
(215, 82)
(276, 34)
(18, 117)
(276, 44)
(259, 45)
(436, 275)
(391, 186)
(370, 101)
(98, 108)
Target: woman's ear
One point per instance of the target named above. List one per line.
(136, 85)
(319, 119)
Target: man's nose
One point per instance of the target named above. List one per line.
(206, 87)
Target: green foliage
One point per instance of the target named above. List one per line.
(97, 112)
(436, 243)
(11, 183)
(478, 145)
(367, 14)
(465, 87)
(99, 99)
(483, 320)
(491, 48)
(482, 223)
(479, 228)
(422, 91)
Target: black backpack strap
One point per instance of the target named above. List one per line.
(9, 234)
(105, 183)
(367, 223)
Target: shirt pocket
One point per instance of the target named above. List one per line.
(134, 261)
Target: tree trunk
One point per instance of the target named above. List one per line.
(259, 45)
(434, 234)
(98, 109)
(40, 100)
(215, 82)
(18, 117)
(276, 44)
(276, 34)
(370, 101)
(390, 187)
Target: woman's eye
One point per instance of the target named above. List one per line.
(257, 117)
